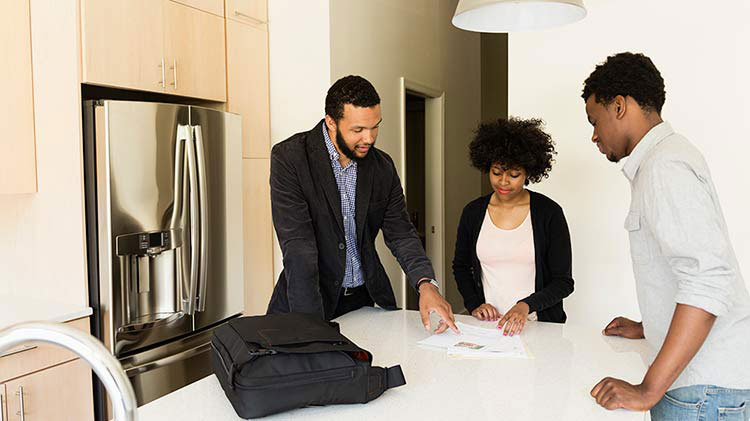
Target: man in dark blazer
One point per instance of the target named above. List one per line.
(331, 192)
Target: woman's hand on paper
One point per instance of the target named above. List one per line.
(514, 319)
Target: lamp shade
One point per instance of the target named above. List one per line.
(516, 15)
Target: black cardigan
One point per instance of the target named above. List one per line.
(554, 280)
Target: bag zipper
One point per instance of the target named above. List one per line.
(336, 374)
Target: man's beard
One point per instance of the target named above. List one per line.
(345, 149)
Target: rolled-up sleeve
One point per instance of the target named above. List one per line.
(689, 231)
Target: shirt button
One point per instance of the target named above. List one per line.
(341, 246)
(345, 218)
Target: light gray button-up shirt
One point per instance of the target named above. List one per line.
(681, 253)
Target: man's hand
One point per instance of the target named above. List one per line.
(514, 319)
(624, 327)
(613, 393)
(486, 312)
(431, 301)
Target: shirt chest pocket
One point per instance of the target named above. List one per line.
(639, 247)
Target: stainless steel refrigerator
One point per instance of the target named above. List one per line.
(164, 235)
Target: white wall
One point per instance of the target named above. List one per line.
(384, 40)
(313, 43)
(300, 71)
(42, 243)
(701, 51)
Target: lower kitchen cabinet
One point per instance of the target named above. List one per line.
(62, 392)
(46, 382)
(3, 400)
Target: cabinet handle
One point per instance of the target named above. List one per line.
(173, 67)
(2, 409)
(21, 413)
(162, 82)
(240, 14)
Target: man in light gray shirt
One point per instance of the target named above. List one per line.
(693, 300)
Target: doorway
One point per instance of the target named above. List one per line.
(422, 171)
(415, 175)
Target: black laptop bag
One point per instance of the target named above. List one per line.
(277, 362)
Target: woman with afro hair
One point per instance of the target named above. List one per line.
(513, 255)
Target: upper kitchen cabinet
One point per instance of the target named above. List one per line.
(248, 85)
(158, 46)
(194, 47)
(215, 7)
(249, 11)
(17, 144)
(123, 44)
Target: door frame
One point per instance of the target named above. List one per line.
(434, 173)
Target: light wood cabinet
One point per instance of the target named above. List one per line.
(17, 144)
(153, 45)
(248, 85)
(215, 7)
(123, 44)
(3, 405)
(46, 382)
(62, 392)
(194, 50)
(256, 198)
(252, 11)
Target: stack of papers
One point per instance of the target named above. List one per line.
(477, 342)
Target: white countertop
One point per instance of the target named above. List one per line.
(26, 309)
(568, 360)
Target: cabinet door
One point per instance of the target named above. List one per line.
(256, 198)
(3, 403)
(123, 44)
(17, 144)
(248, 85)
(62, 392)
(253, 11)
(194, 41)
(215, 7)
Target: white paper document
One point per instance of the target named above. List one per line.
(477, 342)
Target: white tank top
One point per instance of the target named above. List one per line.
(508, 263)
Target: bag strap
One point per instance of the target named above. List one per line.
(381, 379)
(394, 377)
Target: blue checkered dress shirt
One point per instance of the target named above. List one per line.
(346, 179)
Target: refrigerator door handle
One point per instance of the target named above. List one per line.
(183, 135)
(194, 225)
(203, 200)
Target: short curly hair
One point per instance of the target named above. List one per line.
(354, 90)
(627, 74)
(513, 143)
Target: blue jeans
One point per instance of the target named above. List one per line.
(703, 403)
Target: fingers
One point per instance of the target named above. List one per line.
(513, 323)
(447, 315)
(482, 313)
(598, 387)
(613, 331)
(493, 313)
(614, 323)
(503, 320)
(606, 394)
(442, 326)
(425, 315)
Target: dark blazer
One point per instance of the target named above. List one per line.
(554, 280)
(306, 209)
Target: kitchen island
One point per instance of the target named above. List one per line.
(567, 361)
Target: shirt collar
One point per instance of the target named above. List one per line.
(332, 152)
(644, 146)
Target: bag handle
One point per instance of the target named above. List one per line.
(394, 377)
